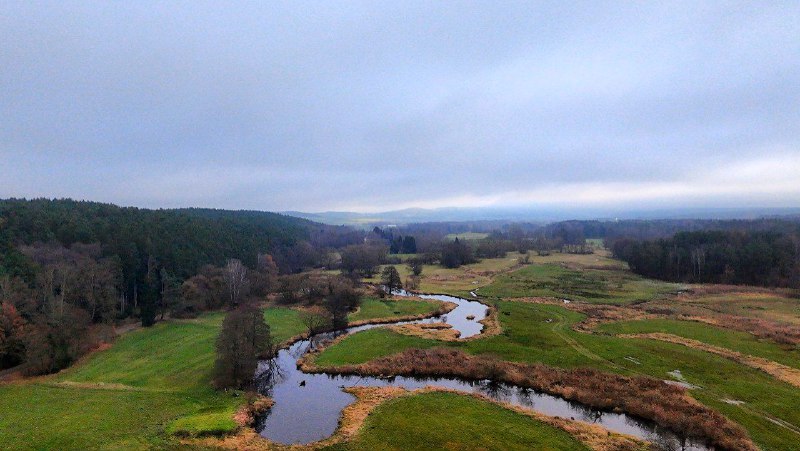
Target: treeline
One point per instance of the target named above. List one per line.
(398, 244)
(70, 271)
(648, 229)
(181, 241)
(764, 258)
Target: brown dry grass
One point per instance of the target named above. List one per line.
(783, 334)
(434, 331)
(782, 372)
(642, 397)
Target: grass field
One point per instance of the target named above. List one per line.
(528, 336)
(149, 384)
(604, 286)
(372, 308)
(730, 339)
(764, 305)
(460, 422)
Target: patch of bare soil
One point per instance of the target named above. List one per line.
(779, 371)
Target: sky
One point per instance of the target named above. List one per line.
(375, 106)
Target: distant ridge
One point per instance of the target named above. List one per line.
(453, 214)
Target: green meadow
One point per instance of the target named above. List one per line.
(372, 308)
(542, 333)
(149, 386)
(460, 422)
(604, 286)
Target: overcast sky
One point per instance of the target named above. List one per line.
(372, 106)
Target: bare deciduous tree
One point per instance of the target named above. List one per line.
(314, 322)
(236, 281)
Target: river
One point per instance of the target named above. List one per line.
(308, 406)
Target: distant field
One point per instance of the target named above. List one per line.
(466, 236)
(457, 281)
(590, 285)
(763, 305)
(459, 423)
(596, 242)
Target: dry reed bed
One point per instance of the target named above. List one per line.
(433, 331)
(643, 397)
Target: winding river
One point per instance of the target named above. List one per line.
(308, 406)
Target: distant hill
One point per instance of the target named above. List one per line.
(542, 215)
(181, 240)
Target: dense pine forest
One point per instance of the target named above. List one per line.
(70, 269)
(770, 258)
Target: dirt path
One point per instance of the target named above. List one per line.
(559, 328)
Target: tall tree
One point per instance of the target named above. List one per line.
(150, 293)
(245, 338)
(391, 279)
(236, 281)
(12, 347)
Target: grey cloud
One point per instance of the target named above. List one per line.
(325, 105)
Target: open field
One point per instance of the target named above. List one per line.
(752, 303)
(149, 384)
(460, 422)
(466, 236)
(730, 339)
(155, 383)
(603, 286)
(542, 333)
(458, 281)
(372, 308)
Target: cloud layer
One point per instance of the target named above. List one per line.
(382, 105)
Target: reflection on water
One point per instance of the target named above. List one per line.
(308, 406)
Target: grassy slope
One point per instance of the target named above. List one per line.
(165, 372)
(372, 308)
(528, 337)
(460, 422)
(725, 338)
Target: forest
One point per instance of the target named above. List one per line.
(763, 258)
(70, 270)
